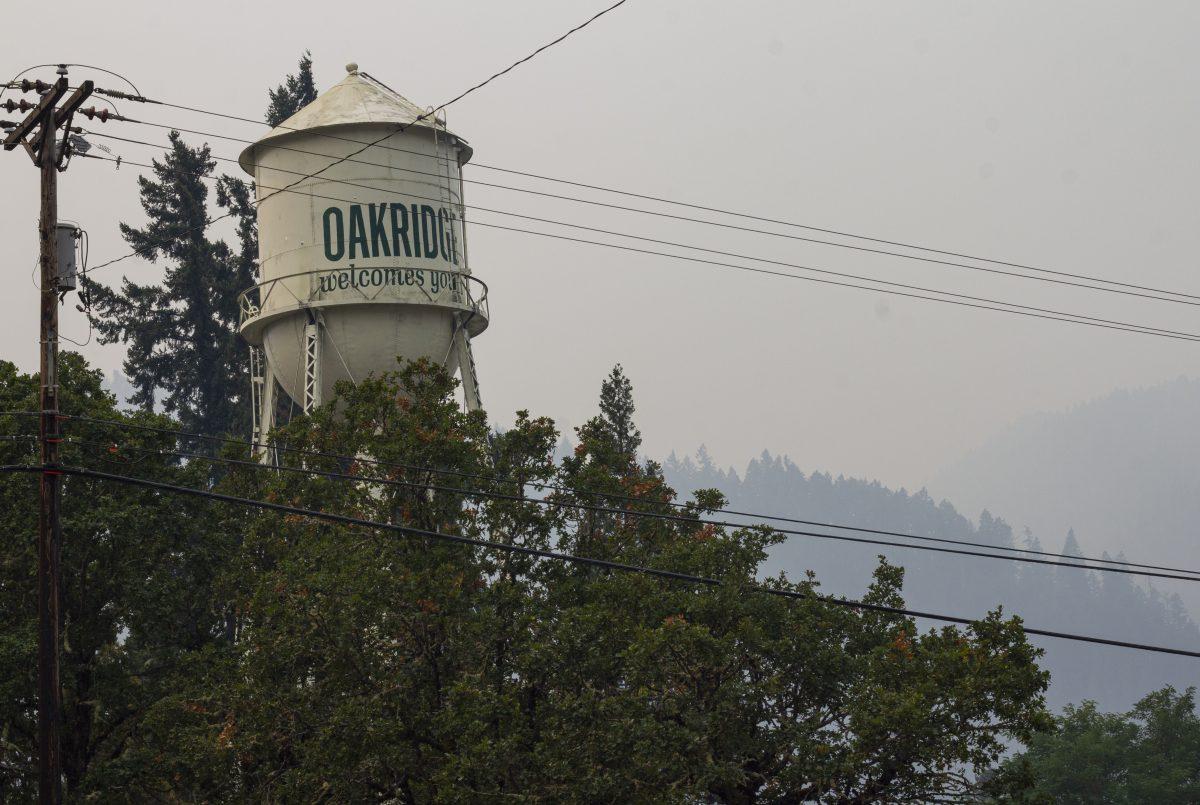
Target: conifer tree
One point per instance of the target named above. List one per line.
(296, 92)
(616, 413)
(183, 349)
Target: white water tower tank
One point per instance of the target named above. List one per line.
(364, 261)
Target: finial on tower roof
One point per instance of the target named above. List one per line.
(352, 68)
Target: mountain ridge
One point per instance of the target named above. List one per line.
(1048, 597)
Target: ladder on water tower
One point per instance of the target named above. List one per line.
(466, 365)
(262, 406)
(257, 382)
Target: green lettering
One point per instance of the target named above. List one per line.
(429, 230)
(358, 232)
(334, 235)
(379, 241)
(400, 230)
(443, 238)
(416, 231)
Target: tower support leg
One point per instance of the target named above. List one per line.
(312, 366)
(265, 415)
(256, 394)
(466, 367)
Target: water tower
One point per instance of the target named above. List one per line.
(365, 261)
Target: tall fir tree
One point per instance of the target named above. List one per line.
(181, 335)
(616, 412)
(183, 349)
(296, 92)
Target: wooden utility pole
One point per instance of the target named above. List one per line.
(50, 159)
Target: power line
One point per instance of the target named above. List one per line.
(841, 233)
(587, 561)
(676, 244)
(561, 504)
(403, 127)
(1076, 318)
(539, 486)
(108, 72)
(689, 205)
(544, 47)
(655, 213)
(432, 113)
(846, 275)
(981, 303)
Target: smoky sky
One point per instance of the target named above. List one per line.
(1057, 135)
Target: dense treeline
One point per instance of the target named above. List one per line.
(1064, 599)
(218, 653)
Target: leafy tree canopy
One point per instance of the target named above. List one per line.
(223, 653)
(1149, 754)
(137, 598)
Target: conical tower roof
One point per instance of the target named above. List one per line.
(357, 98)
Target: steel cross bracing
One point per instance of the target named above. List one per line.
(311, 395)
(257, 415)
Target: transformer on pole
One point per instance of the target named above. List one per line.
(38, 135)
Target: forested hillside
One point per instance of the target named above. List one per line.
(1064, 599)
(1120, 470)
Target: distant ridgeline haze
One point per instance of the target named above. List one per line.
(1120, 469)
(1109, 605)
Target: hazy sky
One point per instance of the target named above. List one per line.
(1062, 135)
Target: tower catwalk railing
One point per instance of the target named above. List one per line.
(307, 290)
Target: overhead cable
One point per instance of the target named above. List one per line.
(655, 213)
(587, 561)
(676, 244)
(541, 486)
(639, 514)
(694, 206)
(981, 303)
(400, 128)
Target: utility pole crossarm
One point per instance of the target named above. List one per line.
(62, 119)
(36, 115)
(62, 116)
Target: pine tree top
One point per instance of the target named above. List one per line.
(296, 92)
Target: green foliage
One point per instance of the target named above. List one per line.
(1059, 599)
(183, 347)
(275, 658)
(616, 413)
(136, 600)
(296, 92)
(180, 335)
(1149, 754)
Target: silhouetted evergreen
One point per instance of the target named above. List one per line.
(616, 413)
(296, 92)
(181, 334)
(184, 353)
